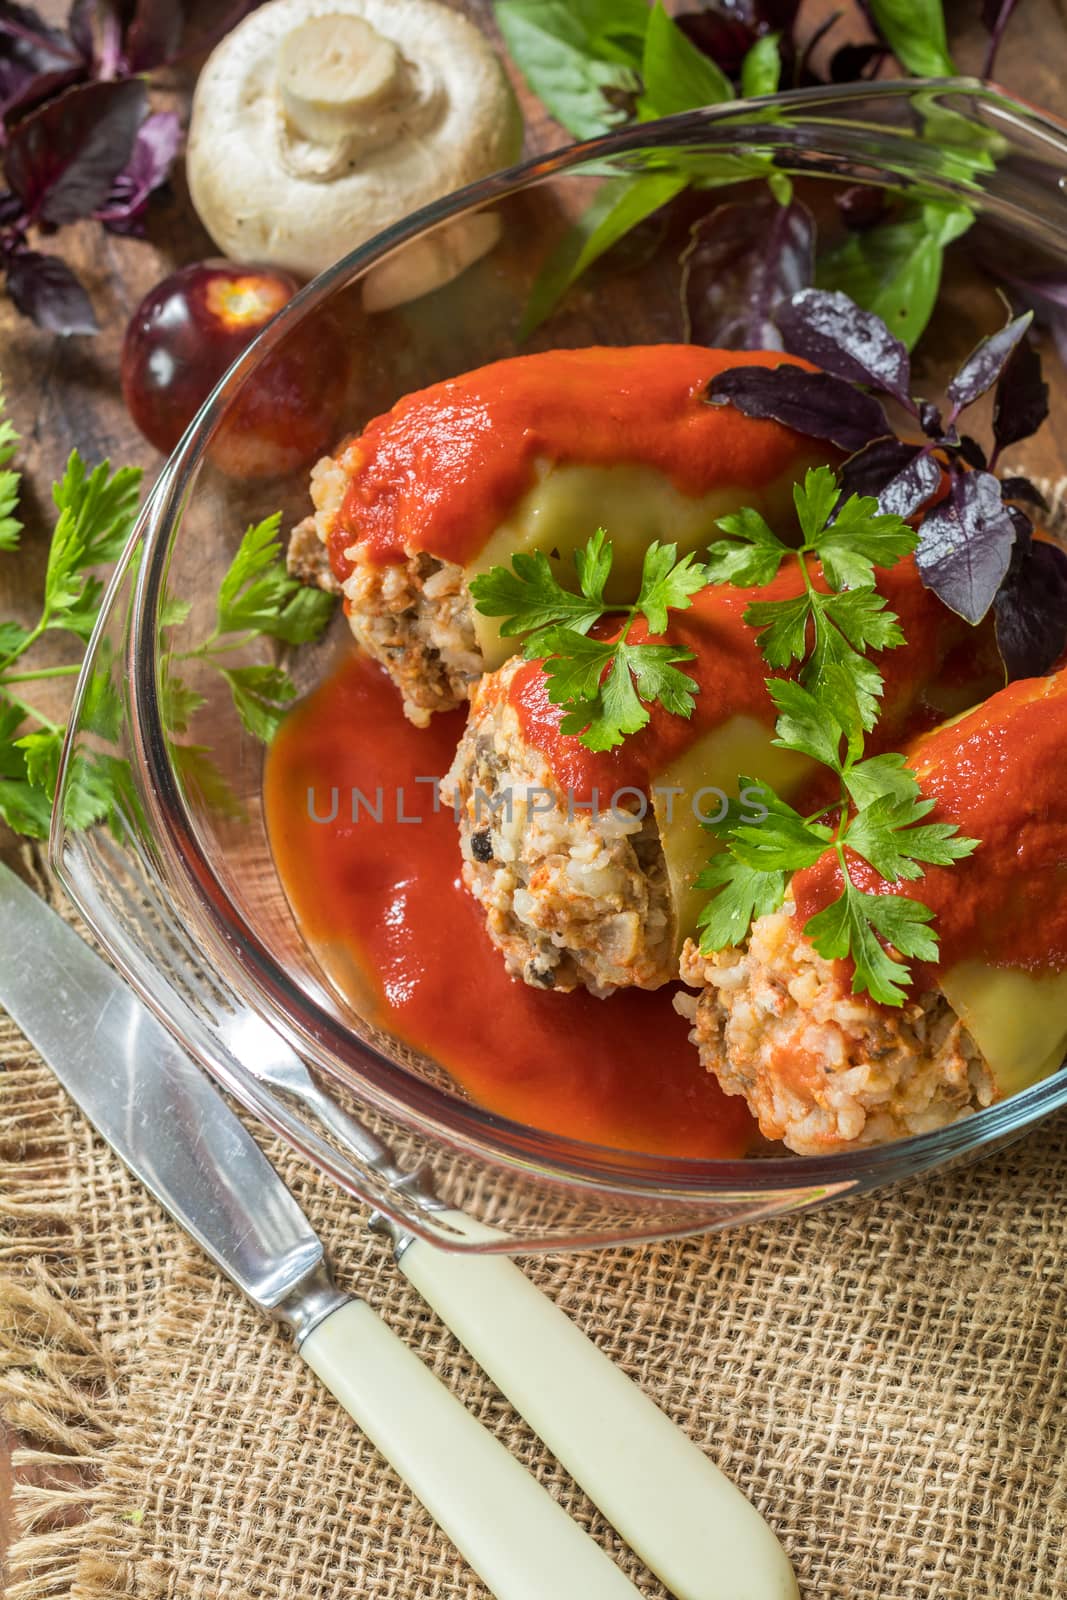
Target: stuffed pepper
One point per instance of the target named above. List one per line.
(529, 454)
(585, 863)
(824, 1068)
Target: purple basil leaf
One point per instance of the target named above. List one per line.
(965, 545)
(900, 476)
(20, 91)
(986, 362)
(741, 266)
(26, 38)
(154, 35)
(80, 26)
(996, 14)
(197, 42)
(768, 16)
(1024, 538)
(35, 60)
(972, 452)
(10, 208)
(761, 16)
(44, 288)
(726, 30)
(1047, 286)
(725, 39)
(930, 420)
(1047, 298)
(157, 143)
(1044, 294)
(1023, 489)
(111, 62)
(831, 331)
(1020, 405)
(861, 206)
(1024, 534)
(852, 63)
(1031, 611)
(63, 159)
(813, 403)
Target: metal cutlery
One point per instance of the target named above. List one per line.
(683, 1517)
(171, 1126)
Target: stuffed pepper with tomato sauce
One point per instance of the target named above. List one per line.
(825, 1069)
(584, 863)
(530, 454)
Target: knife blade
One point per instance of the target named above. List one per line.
(173, 1129)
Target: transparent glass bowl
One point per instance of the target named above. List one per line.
(182, 890)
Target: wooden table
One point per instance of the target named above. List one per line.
(63, 393)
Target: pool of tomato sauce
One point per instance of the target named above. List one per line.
(998, 774)
(618, 1072)
(442, 469)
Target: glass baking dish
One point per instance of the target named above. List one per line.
(182, 891)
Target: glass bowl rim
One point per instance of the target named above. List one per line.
(416, 1104)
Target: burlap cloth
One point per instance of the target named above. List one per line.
(885, 1379)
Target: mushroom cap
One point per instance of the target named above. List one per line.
(265, 192)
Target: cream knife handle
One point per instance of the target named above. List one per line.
(686, 1521)
(511, 1531)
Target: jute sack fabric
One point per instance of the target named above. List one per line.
(885, 1379)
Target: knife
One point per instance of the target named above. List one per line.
(688, 1523)
(684, 1518)
(173, 1129)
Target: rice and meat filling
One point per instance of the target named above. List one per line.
(822, 1068)
(414, 617)
(571, 897)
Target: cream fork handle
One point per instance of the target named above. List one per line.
(515, 1536)
(682, 1516)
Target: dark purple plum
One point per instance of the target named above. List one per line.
(190, 328)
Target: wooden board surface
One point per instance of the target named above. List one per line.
(63, 393)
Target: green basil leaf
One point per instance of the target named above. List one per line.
(571, 51)
(677, 76)
(762, 67)
(894, 268)
(915, 32)
(620, 204)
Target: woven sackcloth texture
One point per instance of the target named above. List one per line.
(885, 1379)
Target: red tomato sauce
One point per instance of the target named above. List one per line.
(731, 673)
(442, 469)
(387, 897)
(999, 774)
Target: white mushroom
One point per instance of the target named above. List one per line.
(317, 123)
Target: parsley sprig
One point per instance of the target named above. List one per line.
(878, 817)
(10, 526)
(829, 633)
(605, 686)
(825, 714)
(95, 515)
(257, 599)
(96, 511)
(825, 709)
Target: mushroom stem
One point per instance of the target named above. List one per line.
(335, 72)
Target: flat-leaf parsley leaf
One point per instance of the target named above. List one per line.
(96, 514)
(603, 685)
(849, 539)
(879, 814)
